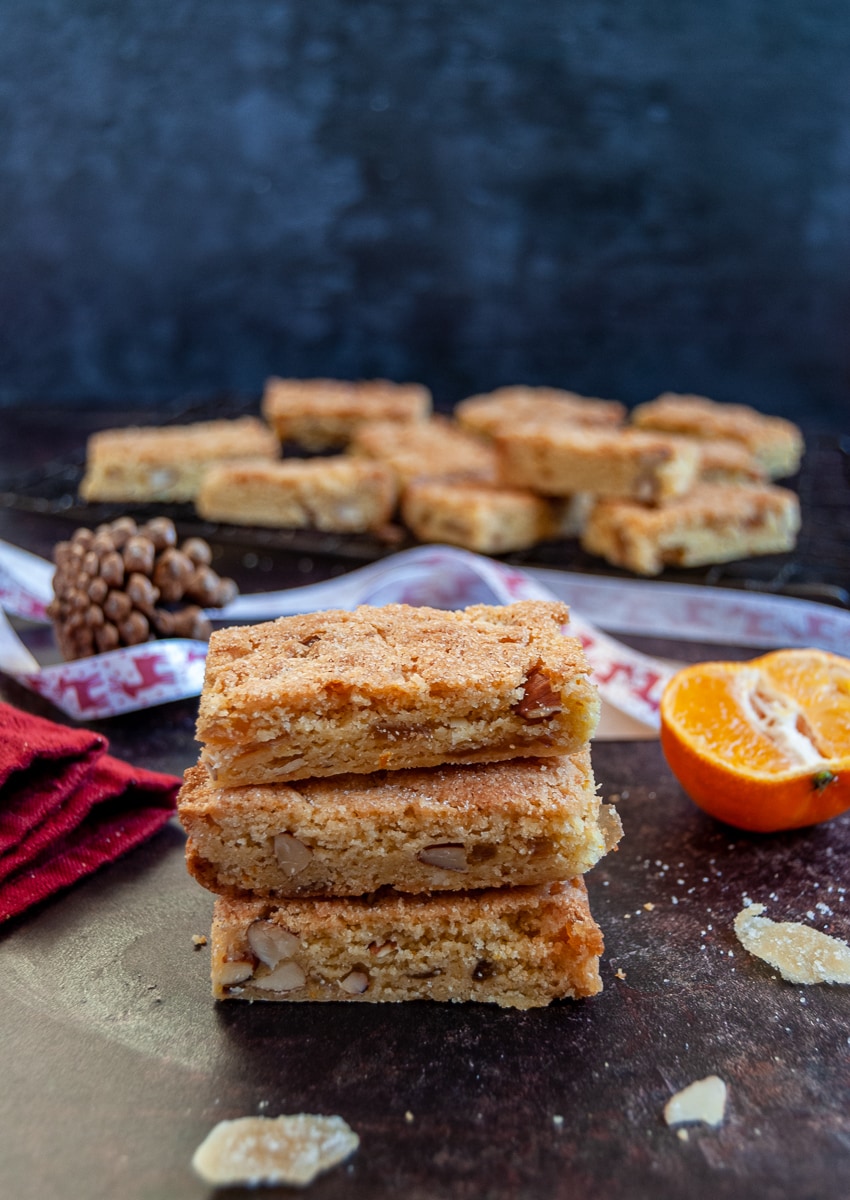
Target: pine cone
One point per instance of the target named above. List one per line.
(122, 584)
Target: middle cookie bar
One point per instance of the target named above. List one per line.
(528, 821)
(337, 692)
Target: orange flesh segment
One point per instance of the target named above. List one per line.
(713, 719)
(820, 686)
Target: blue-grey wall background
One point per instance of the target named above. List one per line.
(615, 197)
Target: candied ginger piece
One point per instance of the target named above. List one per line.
(291, 1150)
(704, 1100)
(799, 953)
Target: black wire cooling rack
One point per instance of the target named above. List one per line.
(817, 569)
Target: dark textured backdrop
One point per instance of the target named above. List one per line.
(617, 197)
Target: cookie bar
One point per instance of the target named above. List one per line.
(330, 693)
(322, 414)
(452, 828)
(775, 442)
(478, 516)
(516, 947)
(715, 523)
(167, 463)
(560, 460)
(506, 408)
(428, 450)
(338, 494)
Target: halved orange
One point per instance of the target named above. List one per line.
(763, 745)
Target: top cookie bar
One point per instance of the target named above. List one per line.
(775, 442)
(392, 687)
(322, 414)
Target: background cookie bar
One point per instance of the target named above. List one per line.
(452, 828)
(516, 947)
(167, 463)
(503, 410)
(559, 460)
(776, 443)
(478, 516)
(334, 692)
(322, 414)
(714, 523)
(338, 494)
(723, 460)
(428, 450)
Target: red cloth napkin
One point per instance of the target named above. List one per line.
(67, 807)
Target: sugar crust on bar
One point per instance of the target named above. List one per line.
(527, 821)
(714, 523)
(478, 516)
(504, 409)
(390, 687)
(562, 460)
(515, 947)
(433, 449)
(776, 442)
(321, 414)
(167, 463)
(337, 494)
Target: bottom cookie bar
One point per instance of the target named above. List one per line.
(516, 947)
(714, 523)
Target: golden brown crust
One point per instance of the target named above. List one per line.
(428, 450)
(391, 687)
(450, 828)
(562, 460)
(321, 414)
(775, 442)
(503, 410)
(713, 523)
(516, 947)
(167, 463)
(338, 494)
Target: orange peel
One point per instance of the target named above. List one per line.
(763, 745)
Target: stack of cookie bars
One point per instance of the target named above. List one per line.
(398, 803)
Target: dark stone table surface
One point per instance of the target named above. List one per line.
(116, 1061)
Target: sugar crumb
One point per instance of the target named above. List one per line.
(289, 1150)
(703, 1101)
(799, 953)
